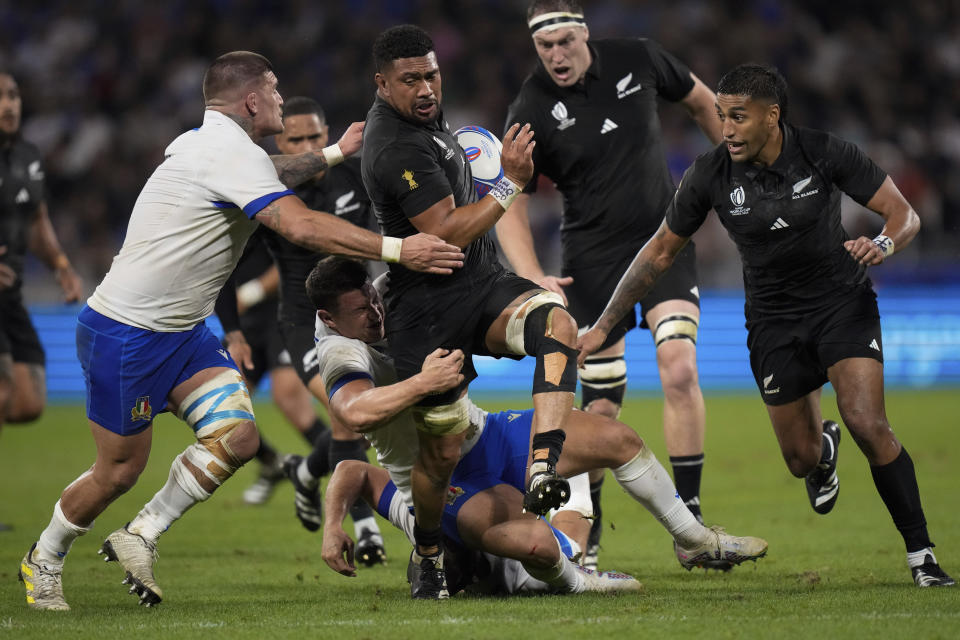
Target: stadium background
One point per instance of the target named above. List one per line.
(107, 85)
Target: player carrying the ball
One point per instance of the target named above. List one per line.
(418, 179)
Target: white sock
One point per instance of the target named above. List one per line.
(306, 478)
(647, 482)
(563, 576)
(181, 492)
(917, 558)
(58, 537)
(368, 523)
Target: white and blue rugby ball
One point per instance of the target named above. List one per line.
(483, 152)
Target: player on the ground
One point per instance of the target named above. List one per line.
(340, 191)
(594, 106)
(418, 178)
(254, 318)
(365, 395)
(811, 310)
(142, 340)
(24, 224)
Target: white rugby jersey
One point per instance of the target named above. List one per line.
(188, 228)
(344, 359)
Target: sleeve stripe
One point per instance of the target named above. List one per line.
(223, 204)
(386, 497)
(254, 206)
(344, 379)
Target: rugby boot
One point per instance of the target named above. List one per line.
(306, 500)
(136, 556)
(428, 580)
(43, 582)
(546, 490)
(369, 550)
(929, 574)
(262, 489)
(607, 581)
(720, 547)
(823, 486)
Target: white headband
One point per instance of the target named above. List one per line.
(556, 20)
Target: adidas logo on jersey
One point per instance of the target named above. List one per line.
(873, 344)
(23, 196)
(779, 224)
(608, 126)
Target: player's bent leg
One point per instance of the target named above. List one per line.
(29, 397)
(540, 326)
(859, 386)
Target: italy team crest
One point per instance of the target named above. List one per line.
(142, 410)
(453, 493)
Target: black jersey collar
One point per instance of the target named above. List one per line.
(386, 108)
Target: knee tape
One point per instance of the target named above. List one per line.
(447, 419)
(679, 326)
(556, 368)
(603, 377)
(213, 410)
(518, 320)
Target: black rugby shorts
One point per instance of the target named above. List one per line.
(790, 358)
(593, 286)
(18, 337)
(301, 346)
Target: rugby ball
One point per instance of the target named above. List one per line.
(482, 149)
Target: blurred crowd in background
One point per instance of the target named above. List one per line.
(107, 85)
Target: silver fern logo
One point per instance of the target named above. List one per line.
(623, 83)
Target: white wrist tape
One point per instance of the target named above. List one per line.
(885, 244)
(390, 249)
(333, 155)
(250, 293)
(505, 192)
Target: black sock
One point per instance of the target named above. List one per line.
(318, 462)
(596, 527)
(312, 434)
(351, 450)
(267, 455)
(896, 483)
(548, 444)
(427, 537)
(686, 475)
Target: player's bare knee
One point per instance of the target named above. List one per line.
(243, 441)
(679, 378)
(541, 550)
(119, 477)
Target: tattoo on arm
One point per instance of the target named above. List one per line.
(294, 170)
(636, 283)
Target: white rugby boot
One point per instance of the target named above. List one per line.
(607, 581)
(43, 582)
(137, 556)
(721, 546)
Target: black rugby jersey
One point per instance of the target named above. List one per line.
(340, 192)
(784, 219)
(21, 192)
(600, 142)
(407, 168)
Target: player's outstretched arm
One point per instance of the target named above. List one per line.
(296, 169)
(352, 479)
(902, 224)
(651, 261)
(323, 232)
(516, 240)
(462, 225)
(361, 406)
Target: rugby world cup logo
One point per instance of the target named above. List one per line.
(737, 197)
(560, 112)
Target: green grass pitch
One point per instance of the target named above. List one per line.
(228, 570)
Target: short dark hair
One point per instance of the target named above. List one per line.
(756, 81)
(402, 41)
(538, 7)
(232, 71)
(303, 106)
(332, 277)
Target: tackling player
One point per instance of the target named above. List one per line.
(142, 340)
(366, 396)
(811, 310)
